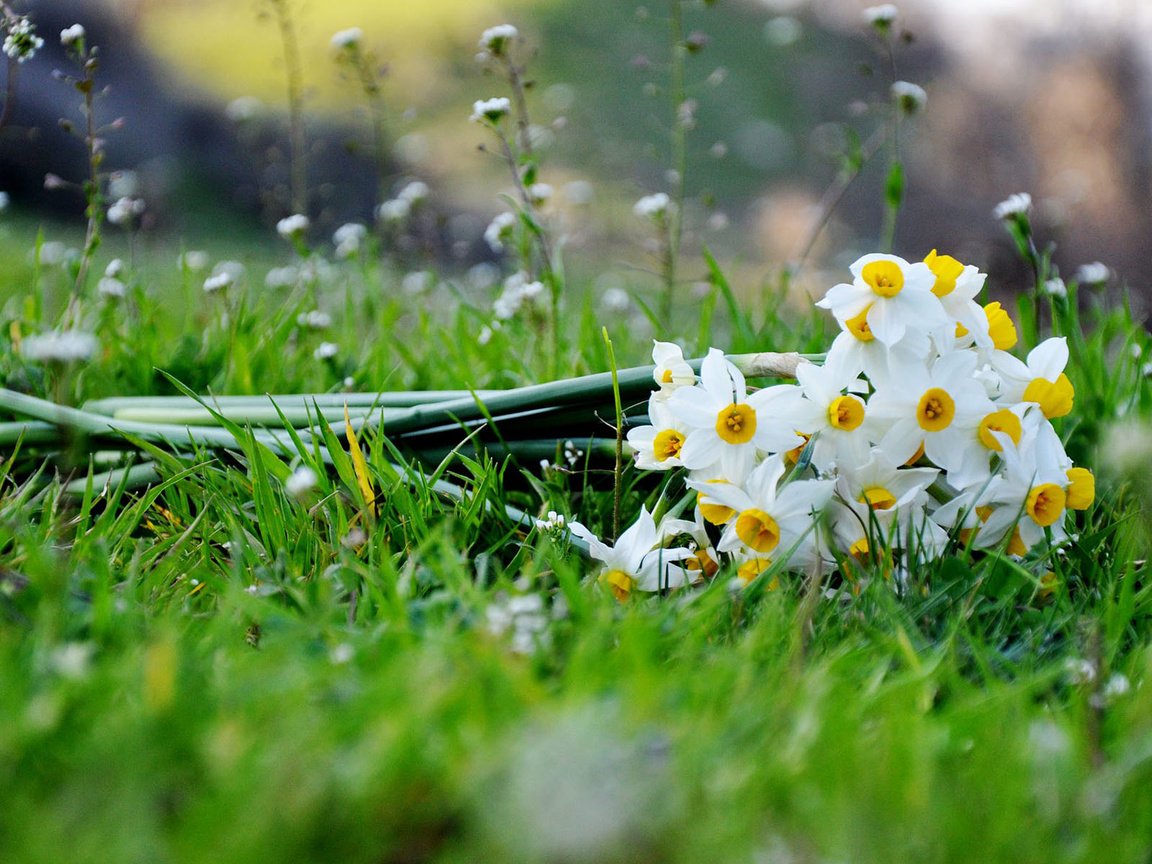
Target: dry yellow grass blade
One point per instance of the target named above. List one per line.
(359, 465)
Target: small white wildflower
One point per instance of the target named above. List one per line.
(218, 282)
(282, 277)
(653, 207)
(22, 43)
(499, 231)
(292, 227)
(1055, 287)
(194, 260)
(233, 268)
(910, 97)
(413, 192)
(552, 522)
(354, 539)
(718, 150)
(615, 299)
(301, 483)
(718, 221)
(484, 336)
(314, 320)
(495, 39)
(491, 110)
(1013, 206)
(348, 238)
(244, 109)
(115, 268)
(882, 15)
(416, 282)
(1116, 686)
(1093, 274)
(341, 654)
(125, 210)
(72, 660)
(539, 194)
(350, 38)
(1080, 670)
(326, 351)
(71, 35)
(53, 252)
(395, 210)
(60, 346)
(111, 287)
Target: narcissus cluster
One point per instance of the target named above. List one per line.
(918, 436)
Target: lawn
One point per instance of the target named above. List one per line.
(342, 625)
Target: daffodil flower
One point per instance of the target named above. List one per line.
(938, 409)
(657, 446)
(771, 519)
(889, 296)
(727, 424)
(637, 561)
(1039, 379)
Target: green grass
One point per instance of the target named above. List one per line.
(196, 665)
(210, 670)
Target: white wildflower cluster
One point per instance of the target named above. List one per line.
(495, 40)
(73, 35)
(348, 239)
(499, 231)
(111, 285)
(126, 210)
(344, 40)
(293, 227)
(60, 346)
(21, 42)
(524, 618)
(224, 275)
(519, 290)
(919, 434)
(400, 208)
(654, 207)
(491, 110)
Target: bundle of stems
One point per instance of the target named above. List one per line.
(532, 422)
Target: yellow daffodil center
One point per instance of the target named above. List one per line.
(736, 424)
(961, 330)
(1045, 504)
(667, 444)
(1053, 397)
(1017, 546)
(703, 562)
(884, 277)
(846, 412)
(947, 270)
(666, 378)
(860, 549)
(1081, 489)
(1000, 327)
(936, 410)
(878, 498)
(999, 421)
(915, 456)
(858, 326)
(717, 514)
(752, 568)
(619, 583)
(757, 530)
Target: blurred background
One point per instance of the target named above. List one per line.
(1050, 97)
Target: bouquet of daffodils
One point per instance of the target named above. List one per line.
(919, 435)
